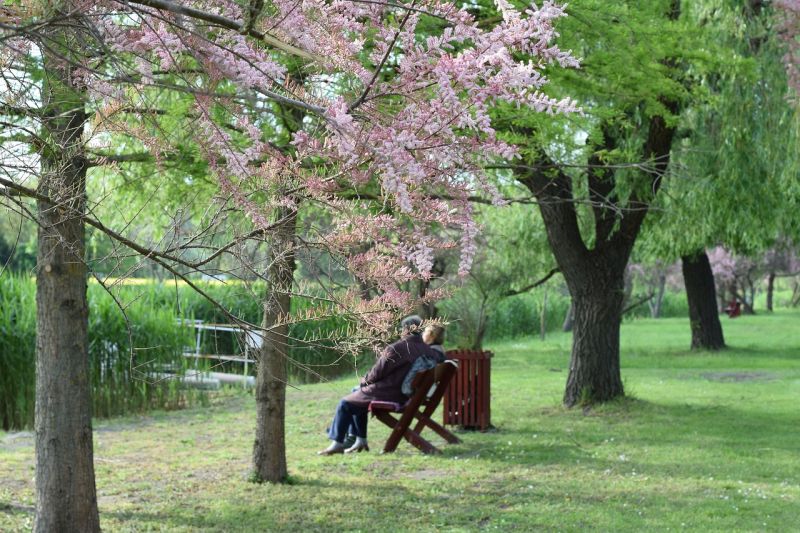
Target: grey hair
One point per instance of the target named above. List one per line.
(411, 324)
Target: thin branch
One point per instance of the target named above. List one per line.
(639, 302)
(225, 23)
(6, 109)
(514, 292)
(140, 249)
(401, 6)
(360, 99)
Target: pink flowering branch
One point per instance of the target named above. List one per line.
(383, 107)
(223, 22)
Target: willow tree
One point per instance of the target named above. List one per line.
(595, 177)
(736, 162)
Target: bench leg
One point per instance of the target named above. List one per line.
(438, 428)
(394, 436)
(423, 445)
(398, 434)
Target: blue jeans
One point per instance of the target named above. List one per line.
(349, 418)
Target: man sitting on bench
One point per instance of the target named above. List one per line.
(383, 382)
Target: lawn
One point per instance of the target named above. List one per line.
(704, 442)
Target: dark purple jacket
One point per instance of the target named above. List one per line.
(385, 378)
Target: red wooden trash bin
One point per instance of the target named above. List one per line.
(466, 402)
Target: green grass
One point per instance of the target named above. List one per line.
(705, 442)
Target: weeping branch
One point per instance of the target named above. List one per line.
(15, 190)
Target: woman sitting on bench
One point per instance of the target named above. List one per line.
(383, 382)
(434, 337)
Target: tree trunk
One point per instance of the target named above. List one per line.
(655, 304)
(595, 277)
(770, 290)
(65, 485)
(428, 309)
(749, 300)
(742, 298)
(543, 317)
(703, 312)
(269, 448)
(627, 290)
(480, 330)
(594, 368)
(722, 295)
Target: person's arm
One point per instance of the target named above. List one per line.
(382, 367)
(440, 353)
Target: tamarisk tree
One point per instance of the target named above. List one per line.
(65, 484)
(395, 97)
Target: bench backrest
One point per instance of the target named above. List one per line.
(431, 384)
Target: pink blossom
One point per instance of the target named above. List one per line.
(407, 118)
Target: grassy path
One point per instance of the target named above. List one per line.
(705, 442)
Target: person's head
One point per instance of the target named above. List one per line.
(410, 324)
(433, 334)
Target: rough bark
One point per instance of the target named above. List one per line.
(594, 368)
(701, 293)
(65, 484)
(269, 448)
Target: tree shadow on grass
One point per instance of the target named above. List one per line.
(646, 437)
(15, 508)
(748, 353)
(337, 505)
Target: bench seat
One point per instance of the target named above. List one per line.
(386, 406)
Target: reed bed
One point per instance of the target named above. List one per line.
(129, 352)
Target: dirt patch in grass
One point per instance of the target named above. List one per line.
(383, 469)
(14, 485)
(737, 377)
(428, 473)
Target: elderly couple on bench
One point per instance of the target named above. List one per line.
(389, 380)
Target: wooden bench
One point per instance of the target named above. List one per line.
(429, 387)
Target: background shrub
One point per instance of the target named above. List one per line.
(520, 316)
